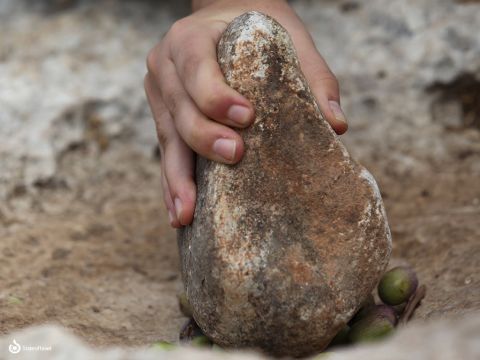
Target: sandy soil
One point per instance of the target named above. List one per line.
(100, 258)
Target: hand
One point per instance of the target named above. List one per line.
(194, 108)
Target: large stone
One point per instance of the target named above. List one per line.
(286, 244)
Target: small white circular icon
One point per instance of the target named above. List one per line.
(15, 347)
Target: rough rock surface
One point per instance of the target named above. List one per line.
(286, 245)
(444, 339)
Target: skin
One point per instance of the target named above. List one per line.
(195, 111)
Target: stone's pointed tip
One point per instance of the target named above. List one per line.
(251, 22)
(253, 15)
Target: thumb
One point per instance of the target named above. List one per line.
(325, 88)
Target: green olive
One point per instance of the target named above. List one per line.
(387, 312)
(365, 308)
(370, 328)
(163, 345)
(397, 285)
(379, 311)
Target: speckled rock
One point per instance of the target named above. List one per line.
(286, 244)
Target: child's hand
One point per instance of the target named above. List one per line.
(194, 108)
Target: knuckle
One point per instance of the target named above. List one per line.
(326, 83)
(326, 76)
(329, 77)
(179, 27)
(172, 101)
(211, 99)
(162, 124)
(333, 79)
(146, 83)
(196, 136)
(190, 64)
(176, 28)
(161, 133)
(156, 57)
(191, 131)
(152, 60)
(162, 137)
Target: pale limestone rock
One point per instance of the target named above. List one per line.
(445, 339)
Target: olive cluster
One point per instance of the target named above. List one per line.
(399, 291)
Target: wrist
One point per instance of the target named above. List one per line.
(200, 4)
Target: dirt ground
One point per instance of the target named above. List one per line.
(99, 257)
(91, 248)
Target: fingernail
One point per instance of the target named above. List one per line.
(225, 148)
(239, 114)
(170, 217)
(337, 111)
(178, 208)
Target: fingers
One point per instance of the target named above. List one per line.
(167, 198)
(179, 170)
(177, 162)
(196, 65)
(182, 125)
(206, 137)
(323, 83)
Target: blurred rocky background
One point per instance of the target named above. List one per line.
(85, 242)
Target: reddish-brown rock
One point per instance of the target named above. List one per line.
(287, 244)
